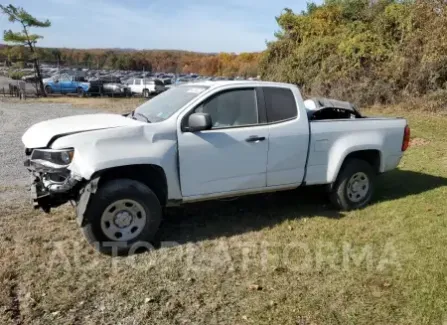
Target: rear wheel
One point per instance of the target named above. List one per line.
(122, 217)
(146, 93)
(80, 92)
(354, 187)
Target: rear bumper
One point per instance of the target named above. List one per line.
(391, 162)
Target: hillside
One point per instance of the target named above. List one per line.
(356, 50)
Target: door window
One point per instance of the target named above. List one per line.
(231, 108)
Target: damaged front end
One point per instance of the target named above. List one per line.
(52, 183)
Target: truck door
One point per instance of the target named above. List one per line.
(288, 137)
(66, 84)
(230, 157)
(137, 87)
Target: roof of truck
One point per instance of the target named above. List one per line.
(221, 83)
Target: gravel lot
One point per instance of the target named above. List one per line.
(15, 119)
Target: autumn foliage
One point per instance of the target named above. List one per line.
(222, 64)
(362, 50)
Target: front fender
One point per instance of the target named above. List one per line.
(124, 146)
(84, 200)
(51, 85)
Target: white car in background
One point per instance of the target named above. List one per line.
(146, 87)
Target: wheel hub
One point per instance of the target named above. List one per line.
(123, 219)
(358, 187)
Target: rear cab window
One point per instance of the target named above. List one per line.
(280, 104)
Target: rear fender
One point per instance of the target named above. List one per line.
(348, 145)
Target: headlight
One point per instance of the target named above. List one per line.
(50, 157)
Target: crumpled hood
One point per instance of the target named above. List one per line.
(40, 134)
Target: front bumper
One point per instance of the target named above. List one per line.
(51, 187)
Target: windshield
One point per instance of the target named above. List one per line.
(164, 105)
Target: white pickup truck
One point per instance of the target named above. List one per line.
(204, 141)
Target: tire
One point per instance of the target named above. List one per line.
(80, 92)
(146, 93)
(103, 221)
(354, 187)
(48, 90)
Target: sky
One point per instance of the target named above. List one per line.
(193, 25)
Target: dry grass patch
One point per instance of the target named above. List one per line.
(114, 105)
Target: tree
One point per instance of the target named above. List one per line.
(25, 38)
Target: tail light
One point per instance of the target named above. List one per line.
(406, 140)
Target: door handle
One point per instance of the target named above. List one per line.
(254, 138)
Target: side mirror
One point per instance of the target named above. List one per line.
(199, 122)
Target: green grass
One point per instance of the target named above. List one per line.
(285, 258)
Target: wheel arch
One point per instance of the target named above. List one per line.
(153, 176)
(371, 156)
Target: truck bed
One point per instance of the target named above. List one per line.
(332, 140)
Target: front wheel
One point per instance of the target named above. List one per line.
(354, 187)
(122, 217)
(48, 90)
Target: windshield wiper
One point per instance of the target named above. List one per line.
(134, 114)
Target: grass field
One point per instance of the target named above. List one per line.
(285, 258)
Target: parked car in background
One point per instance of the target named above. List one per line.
(115, 89)
(66, 84)
(32, 78)
(112, 86)
(182, 80)
(146, 87)
(167, 82)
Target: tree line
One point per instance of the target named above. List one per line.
(366, 51)
(221, 64)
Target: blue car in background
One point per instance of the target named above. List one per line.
(66, 84)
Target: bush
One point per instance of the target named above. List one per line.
(16, 75)
(362, 52)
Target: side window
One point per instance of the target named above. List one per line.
(280, 104)
(65, 77)
(231, 108)
(137, 82)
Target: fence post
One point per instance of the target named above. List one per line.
(22, 89)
